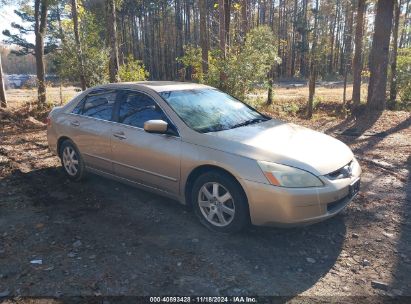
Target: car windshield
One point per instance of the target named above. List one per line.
(210, 110)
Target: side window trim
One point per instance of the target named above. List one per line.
(117, 104)
(82, 102)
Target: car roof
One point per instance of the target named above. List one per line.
(158, 86)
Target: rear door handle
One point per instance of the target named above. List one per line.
(120, 135)
(75, 123)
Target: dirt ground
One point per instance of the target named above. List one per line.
(100, 237)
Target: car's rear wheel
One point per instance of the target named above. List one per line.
(220, 203)
(71, 160)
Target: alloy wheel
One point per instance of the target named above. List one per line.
(70, 161)
(216, 204)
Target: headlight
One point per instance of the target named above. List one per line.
(355, 165)
(289, 177)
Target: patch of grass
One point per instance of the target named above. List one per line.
(20, 97)
(291, 108)
(292, 101)
(317, 100)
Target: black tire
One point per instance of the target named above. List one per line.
(80, 168)
(238, 202)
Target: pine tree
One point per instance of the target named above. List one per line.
(313, 63)
(74, 14)
(40, 27)
(203, 35)
(378, 61)
(393, 79)
(40, 22)
(111, 25)
(357, 61)
(3, 100)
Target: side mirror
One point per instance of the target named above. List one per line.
(155, 126)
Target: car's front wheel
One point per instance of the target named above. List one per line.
(71, 161)
(219, 202)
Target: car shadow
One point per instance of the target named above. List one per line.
(135, 243)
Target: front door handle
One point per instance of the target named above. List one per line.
(75, 123)
(120, 135)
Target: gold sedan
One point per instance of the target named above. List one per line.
(204, 148)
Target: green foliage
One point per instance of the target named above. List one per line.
(291, 108)
(192, 58)
(245, 66)
(317, 101)
(249, 66)
(404, 74)
(133, 70)
(95, 54)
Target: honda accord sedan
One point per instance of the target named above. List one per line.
(204, 148)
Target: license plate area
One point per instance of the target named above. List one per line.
(354, 188)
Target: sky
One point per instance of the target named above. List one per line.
(7, 16)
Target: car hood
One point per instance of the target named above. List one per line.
(283, 143)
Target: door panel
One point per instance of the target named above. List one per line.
(91, 128)
(150, 159)
(146, 158)
(93, 137)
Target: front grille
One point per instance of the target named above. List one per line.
(343, 172)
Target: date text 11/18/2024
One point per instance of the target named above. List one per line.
(188, 299)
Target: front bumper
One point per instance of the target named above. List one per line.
(52, 140)
(276, 206)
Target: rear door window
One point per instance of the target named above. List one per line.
(97, 104)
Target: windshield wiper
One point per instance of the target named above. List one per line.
(249, 122)
(221, 127)
(215, 128)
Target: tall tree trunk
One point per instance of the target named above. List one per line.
(348, 48)
(338, 34)
(40, 22)
(152, 44)
(270, 76)
(187, 22)
(293, 46)
(227, 15)
(74, 14)
(357, 62)
(279, 35)
(165, 43)
(244, 18)
(222, 37)
(379, 56)
(313, 64)
(332, 40)
(121, 41)
(203, 36)
(146, 41)
(283, 37)
(112, 36)
(179, 34)
(196, 23)
(60, 28)
(393, 79)
(3, 100)
(405, 24)
(222, 29)
(304, 41)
